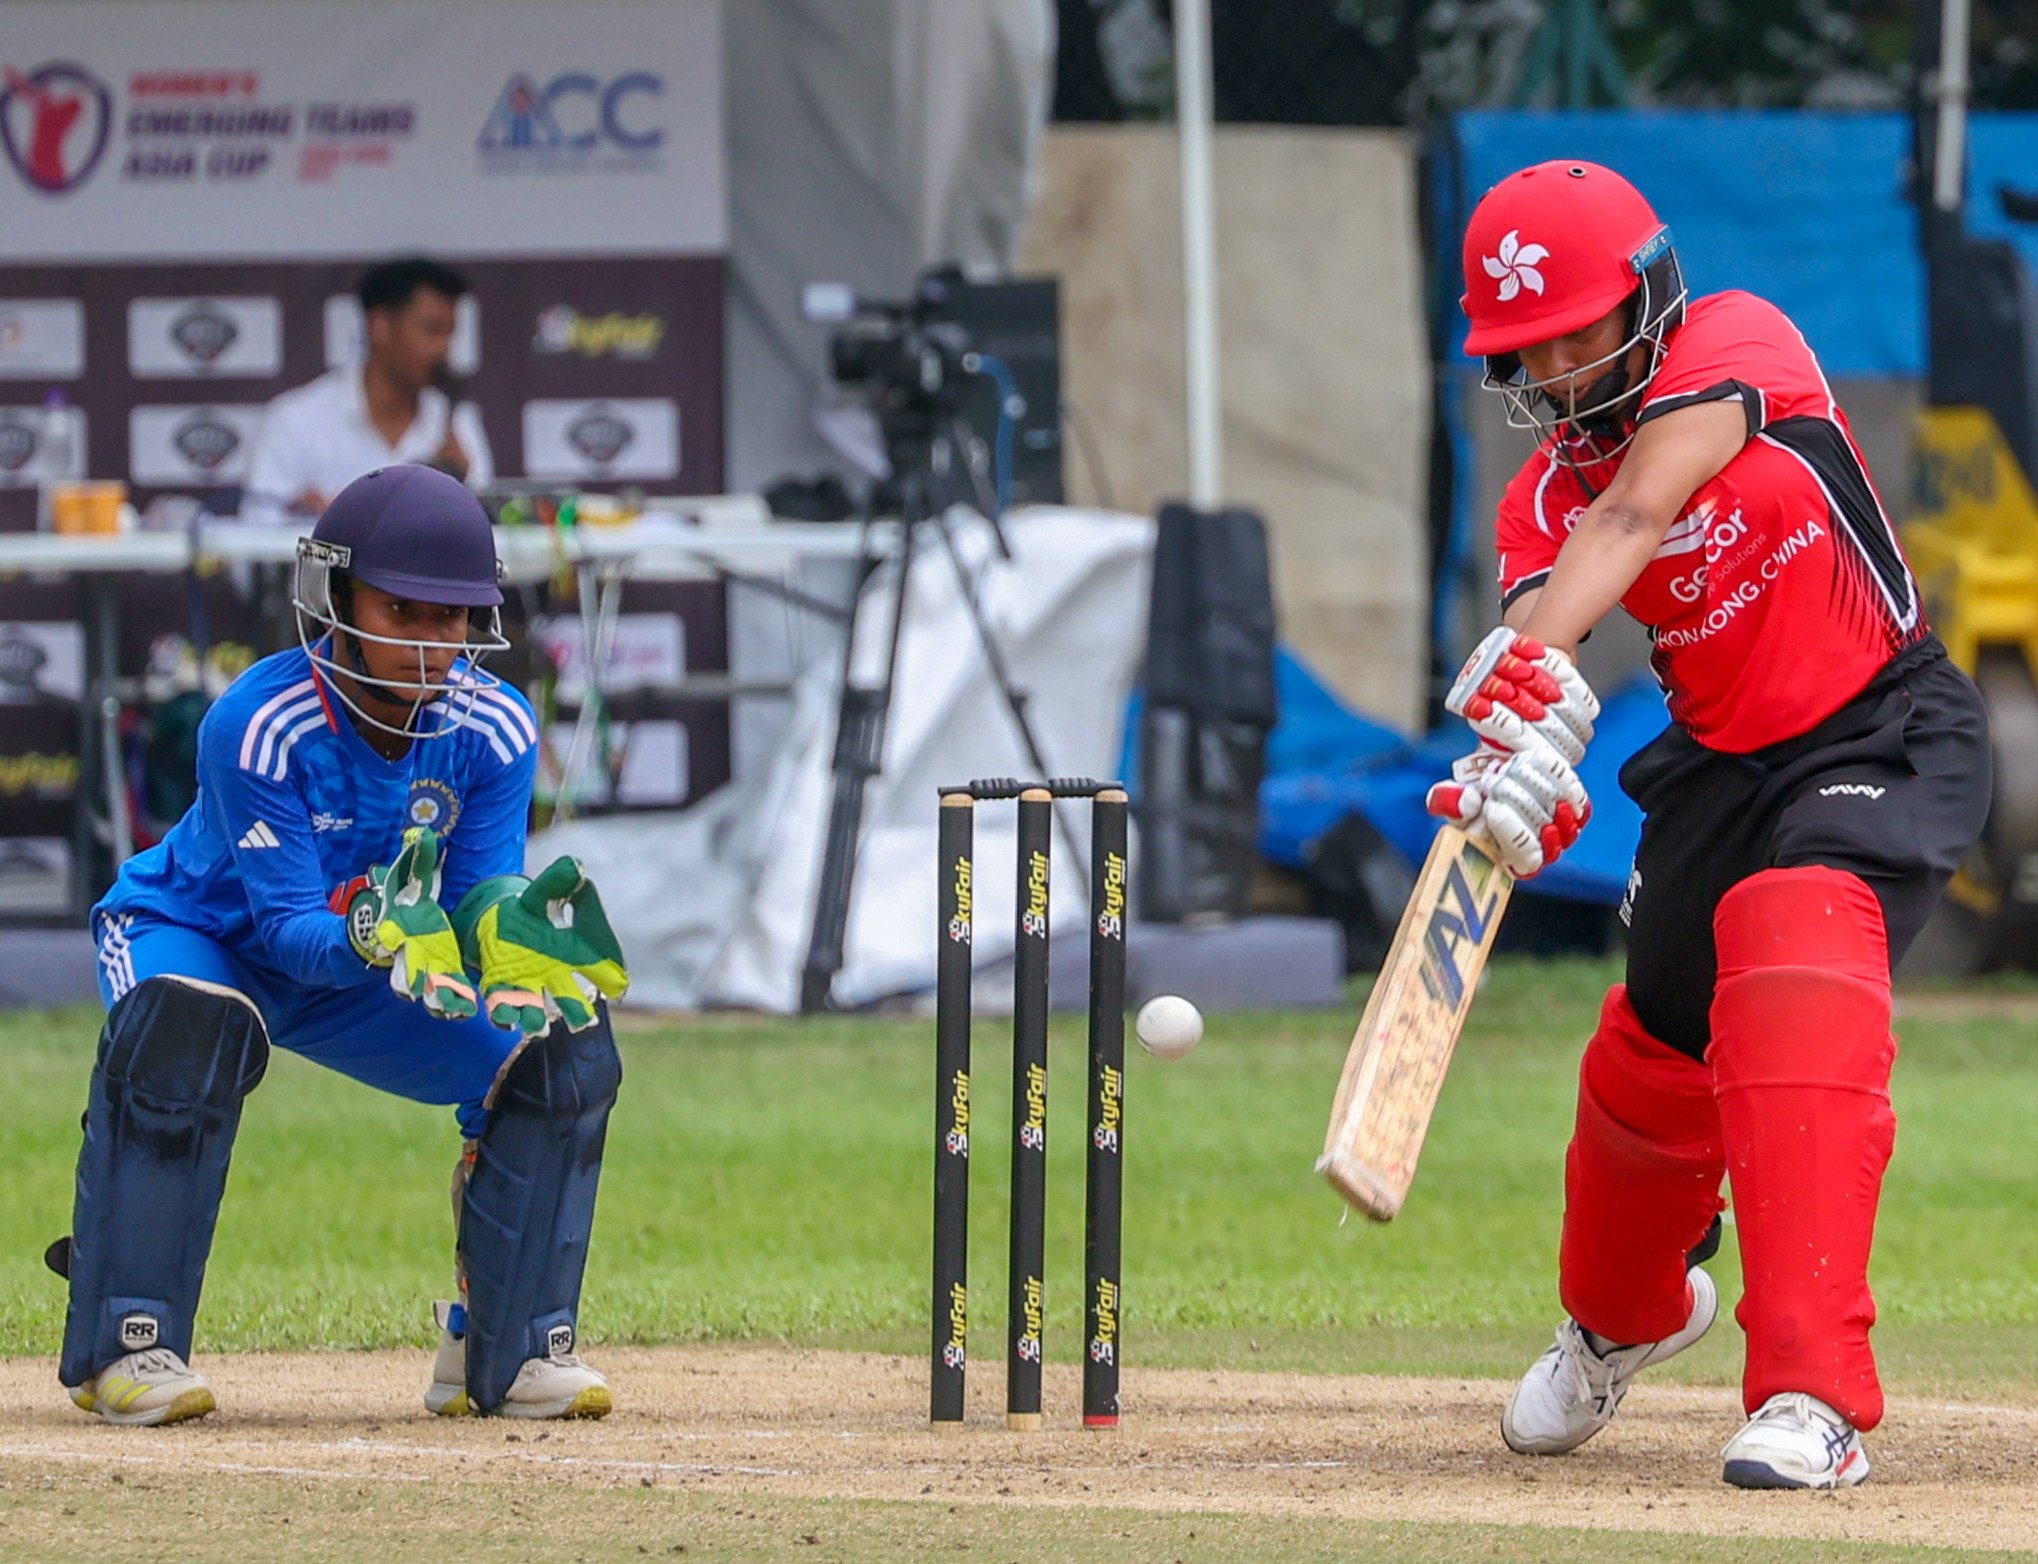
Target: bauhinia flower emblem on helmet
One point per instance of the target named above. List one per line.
(1515, 266)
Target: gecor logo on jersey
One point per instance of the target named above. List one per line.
(1514, 268)
(54, 124)
(1702, 528)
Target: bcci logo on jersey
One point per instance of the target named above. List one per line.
(433, 805)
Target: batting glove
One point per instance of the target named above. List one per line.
(394, 920)
(1524, 698)
(543, 947)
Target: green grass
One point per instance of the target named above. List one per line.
(770, 1180)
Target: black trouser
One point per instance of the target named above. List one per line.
(1892, 787)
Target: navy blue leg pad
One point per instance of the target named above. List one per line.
(175, 1062)
(529, 1206)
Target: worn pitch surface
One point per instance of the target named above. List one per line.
(822, 1425)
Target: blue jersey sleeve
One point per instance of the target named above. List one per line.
(488, 838)
(269, 824)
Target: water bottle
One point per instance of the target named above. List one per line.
(56, 447)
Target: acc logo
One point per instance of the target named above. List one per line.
(600, 435)
(434, 805)
(205, 442)
(17, 444)
(203, 332)
(573, 113)
(54, 123)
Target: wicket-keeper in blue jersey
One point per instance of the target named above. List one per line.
(349, 886)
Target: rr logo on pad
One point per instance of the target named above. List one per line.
(139, 1331)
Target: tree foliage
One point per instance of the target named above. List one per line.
(1400, 62)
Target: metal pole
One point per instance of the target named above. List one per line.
(1193, 94)
(1949, 160)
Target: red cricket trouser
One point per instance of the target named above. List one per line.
(1801, 1056)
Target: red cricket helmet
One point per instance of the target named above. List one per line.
(1550, 250)
(1553, 248)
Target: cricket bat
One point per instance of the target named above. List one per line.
(1397, 1061)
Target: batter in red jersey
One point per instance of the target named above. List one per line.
(1824, 773)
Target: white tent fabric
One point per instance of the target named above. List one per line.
(715, 905)
(867, 139)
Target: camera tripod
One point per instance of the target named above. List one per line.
(923, 446)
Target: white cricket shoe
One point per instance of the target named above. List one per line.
(553, 1387)
(1571, 1392)
(145, 1389)
(1795, 1441)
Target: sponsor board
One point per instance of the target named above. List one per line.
(562, 329)
(186, 129)
(603, 439)
(198, 337)
(28, 453)
(42, 339)
(576, 122)
(206, 445)
(56, 118)
(41, 661)
(35, 875)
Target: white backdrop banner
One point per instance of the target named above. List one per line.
(181, 129)
(715, 906)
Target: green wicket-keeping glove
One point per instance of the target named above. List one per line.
(394, 920)
(543, 947)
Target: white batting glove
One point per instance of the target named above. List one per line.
(1463, 799)
(1533, 807)
(1525, 698)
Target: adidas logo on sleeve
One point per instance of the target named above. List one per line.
(259, 835)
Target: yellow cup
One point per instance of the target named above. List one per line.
(87, 507)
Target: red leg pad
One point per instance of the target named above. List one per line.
(1641, 1180)
(1801, 1056)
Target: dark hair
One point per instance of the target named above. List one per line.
(390, 285)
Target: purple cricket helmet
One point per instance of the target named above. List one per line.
(418, 534)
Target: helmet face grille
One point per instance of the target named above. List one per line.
(1603, 417)
(437, 707)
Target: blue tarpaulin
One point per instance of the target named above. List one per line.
(1807, 209)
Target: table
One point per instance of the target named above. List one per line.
(704, 538)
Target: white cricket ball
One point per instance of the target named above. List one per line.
(1168, 1026)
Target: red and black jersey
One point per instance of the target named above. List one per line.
(1781, 590)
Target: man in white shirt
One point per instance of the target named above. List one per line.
(393, 407)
